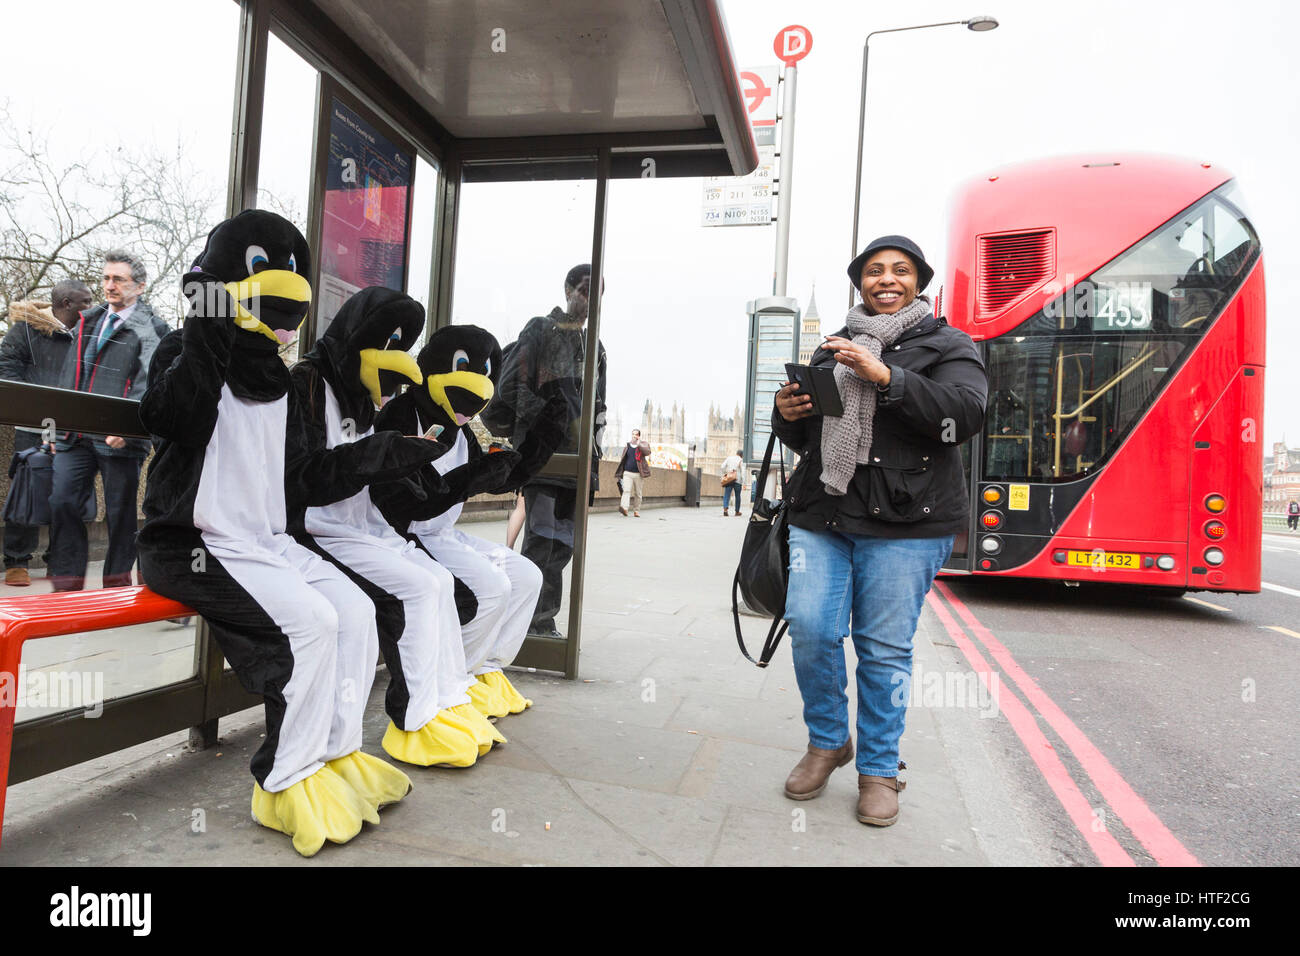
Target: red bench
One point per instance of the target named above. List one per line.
(52, 615)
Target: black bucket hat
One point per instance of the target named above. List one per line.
(903, 244)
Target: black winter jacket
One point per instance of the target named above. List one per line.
(34, 348)
(914, 486)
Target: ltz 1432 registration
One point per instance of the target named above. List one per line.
(1104, 559)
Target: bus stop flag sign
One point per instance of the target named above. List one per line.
(792, 44)
(747, 200)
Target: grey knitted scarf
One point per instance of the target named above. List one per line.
(846, 441)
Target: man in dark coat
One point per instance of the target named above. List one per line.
(547, 359)
(33, 352)
(111, 349)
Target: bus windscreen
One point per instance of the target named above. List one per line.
(1068, 384)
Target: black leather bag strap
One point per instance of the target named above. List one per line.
(767, 465)
(774, 633)
(779, 627)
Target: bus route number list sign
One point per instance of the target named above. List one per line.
(741, 200)
(364, 222)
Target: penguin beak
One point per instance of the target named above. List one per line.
(392, 360)
(281, 290)
(470, 390)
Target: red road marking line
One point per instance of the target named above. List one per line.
(1040, 750)
(1163, 846)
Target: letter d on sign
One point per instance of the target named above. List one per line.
(792, 44)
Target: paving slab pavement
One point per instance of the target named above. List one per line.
(670, 750)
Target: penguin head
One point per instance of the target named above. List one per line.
(460, 364)
(263, 261)
(367, 342)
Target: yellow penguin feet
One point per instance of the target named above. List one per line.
(375, 781)
(515, 701)
(486, 700)
(315, 809)
(478, 726)
(442, 742)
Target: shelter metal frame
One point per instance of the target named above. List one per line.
(723, 146)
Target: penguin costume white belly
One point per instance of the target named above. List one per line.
(230, 465)
(340, 384)
(459, 364)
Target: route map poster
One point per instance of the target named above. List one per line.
(365, 216)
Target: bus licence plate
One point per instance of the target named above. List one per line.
(1112, 559)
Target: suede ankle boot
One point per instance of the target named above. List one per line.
(809, 776)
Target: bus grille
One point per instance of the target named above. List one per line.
(1010, 266)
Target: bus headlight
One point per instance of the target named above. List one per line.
(1213, 556)
(1165, 562)
(990, 544)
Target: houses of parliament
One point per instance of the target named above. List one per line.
(667, 426)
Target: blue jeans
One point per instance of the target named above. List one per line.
(871, 589)
(728, 491)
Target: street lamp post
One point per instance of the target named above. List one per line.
(976, 24)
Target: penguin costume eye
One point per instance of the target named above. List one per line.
(293, 263)
(256, 260)
(487, 367)
(460, 361)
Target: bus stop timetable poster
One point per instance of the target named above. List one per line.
(364, 226)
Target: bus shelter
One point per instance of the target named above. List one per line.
(460, 151)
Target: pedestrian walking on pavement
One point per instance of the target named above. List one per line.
(873, 507)
(731, 483)
(1293, 515)
(633, 469)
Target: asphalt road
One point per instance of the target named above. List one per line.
(1144, 729)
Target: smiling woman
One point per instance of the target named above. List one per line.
(873, 505)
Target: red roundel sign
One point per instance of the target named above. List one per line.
(792, 44)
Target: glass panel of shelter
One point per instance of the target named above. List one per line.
(523, 231)
(285, 155)
(121, 164)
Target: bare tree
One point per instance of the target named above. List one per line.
(58, 217)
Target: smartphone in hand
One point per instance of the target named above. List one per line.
(820, 384)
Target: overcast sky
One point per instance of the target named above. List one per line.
(1201, 79)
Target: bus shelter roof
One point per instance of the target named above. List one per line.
(519, 78)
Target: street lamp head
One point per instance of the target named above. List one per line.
(981, 24)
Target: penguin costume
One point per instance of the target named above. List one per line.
(231, 463)
(459, 367)
(341, 383)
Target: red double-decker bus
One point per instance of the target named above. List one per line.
(1119, 305)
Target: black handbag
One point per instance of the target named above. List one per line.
(764, 568)
(31, 479)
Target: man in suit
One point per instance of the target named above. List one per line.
(112, 345)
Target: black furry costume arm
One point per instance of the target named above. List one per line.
(426, 494)
(316, 475)
(186, 373)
